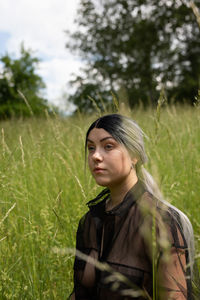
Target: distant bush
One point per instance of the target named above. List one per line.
(20, 87)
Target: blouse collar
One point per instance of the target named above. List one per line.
(97, 206)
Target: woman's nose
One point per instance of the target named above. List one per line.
(97, 156)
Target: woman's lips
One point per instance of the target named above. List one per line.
(98, 170)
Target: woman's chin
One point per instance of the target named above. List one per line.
(102, 183)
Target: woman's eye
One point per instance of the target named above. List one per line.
(108, 147)
(91, 148)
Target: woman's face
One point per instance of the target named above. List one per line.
(109, 161)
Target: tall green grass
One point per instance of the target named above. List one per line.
(44, 189)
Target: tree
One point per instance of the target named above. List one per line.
(139, 46)
(20, 86)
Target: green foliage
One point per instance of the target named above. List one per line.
(83, 96)
(42, 171)
(139, 46)
(20, 86)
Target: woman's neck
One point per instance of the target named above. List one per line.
(118, 192)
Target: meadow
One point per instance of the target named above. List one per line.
(44, 188)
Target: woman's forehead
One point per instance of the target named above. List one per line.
(98, 134)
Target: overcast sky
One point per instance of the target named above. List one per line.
(40, 24)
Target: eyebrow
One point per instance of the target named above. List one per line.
(106, 138)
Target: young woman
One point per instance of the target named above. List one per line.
(129, 226)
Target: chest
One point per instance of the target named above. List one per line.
(121, 246)
(121, 242)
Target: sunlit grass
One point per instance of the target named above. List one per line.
(42, 171)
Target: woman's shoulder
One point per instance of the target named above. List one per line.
(156, 211)
(159, 208)
(147, 203)
(85, 219)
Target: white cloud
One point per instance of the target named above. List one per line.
(41, 25)
(56, 71)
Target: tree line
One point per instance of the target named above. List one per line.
(136, 48)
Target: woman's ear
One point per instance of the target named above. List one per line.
(134, 161)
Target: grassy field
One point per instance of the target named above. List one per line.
(44, 188)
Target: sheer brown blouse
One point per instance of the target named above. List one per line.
(139, 239)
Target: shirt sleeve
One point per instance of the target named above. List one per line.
(167, 250)
(172, 265)
(172, 276)
(84, 272)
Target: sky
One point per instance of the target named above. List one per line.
(40, 25)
